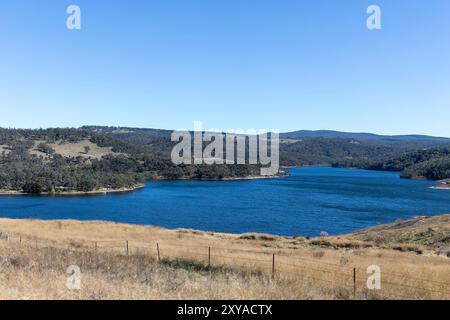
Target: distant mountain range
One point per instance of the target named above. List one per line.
(362, 136)
(416, 156)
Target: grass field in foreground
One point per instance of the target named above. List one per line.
(120, 261)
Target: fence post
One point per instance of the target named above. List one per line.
(273, 266)
(209, 256)
(354, 282)
(20, 241)
(127, 248)
(95, 254)
(157, 248)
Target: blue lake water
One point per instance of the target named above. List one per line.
(310, 200)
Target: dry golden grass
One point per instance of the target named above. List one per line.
(111, 276)
(4, 148)
(70, 149)
(37, 253)
(417, 235)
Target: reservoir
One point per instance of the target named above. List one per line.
(308, 201)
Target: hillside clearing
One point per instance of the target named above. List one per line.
(75, 149)
(5, 149)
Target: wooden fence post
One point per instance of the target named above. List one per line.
(157, 248)
(209, 256)
(127, 249)
(95, 254)
(273, 266)
(354, 282)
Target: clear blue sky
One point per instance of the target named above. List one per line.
(283, 64)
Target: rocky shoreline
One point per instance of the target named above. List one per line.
(75, 193)
(103, 191)
(444, 185)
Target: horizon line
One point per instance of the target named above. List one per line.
(210, 130)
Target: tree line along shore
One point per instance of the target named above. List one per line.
(93, 160)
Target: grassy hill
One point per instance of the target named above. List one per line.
(120, 261)
(431, 232)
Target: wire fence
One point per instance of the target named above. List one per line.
(353, 279)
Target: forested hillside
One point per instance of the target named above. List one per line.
(323, 151)
(415, 156)
(62, 160)
(293, 152)
(401, 141)
(431, 164)
(93, 158)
